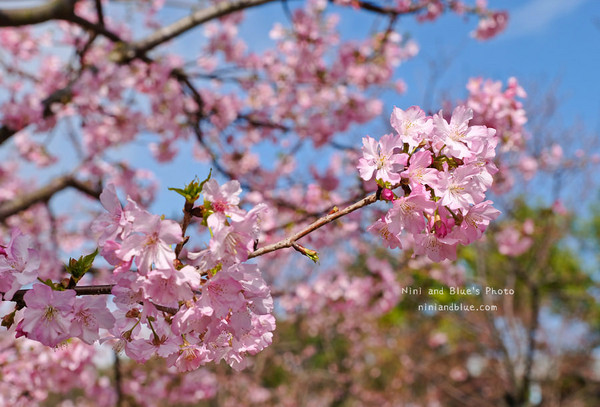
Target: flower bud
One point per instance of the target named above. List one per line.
(387, 194)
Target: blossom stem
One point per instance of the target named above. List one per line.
(187, 219)
(289, 242)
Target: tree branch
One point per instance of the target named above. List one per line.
(62, 96)
(93, 27)
(100, 12)
(118, 380)
(196, 18)
(290, 241)
(101, 289)
(54, 10)
(391, 11)
(44, 194)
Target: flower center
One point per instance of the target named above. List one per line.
(50, 313)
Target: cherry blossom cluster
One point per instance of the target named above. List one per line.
(224, 306)
(336, 291)
(500, 109)
(33, 373)
(443, 168)
(513, 240)
(196, 305)
(54, 316)
(217, 307)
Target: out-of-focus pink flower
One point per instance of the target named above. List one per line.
(511, 242)
(491, 25)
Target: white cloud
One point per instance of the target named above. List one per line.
(536, 15)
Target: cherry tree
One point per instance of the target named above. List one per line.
(86, 83)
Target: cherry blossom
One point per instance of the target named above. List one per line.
(19, 262)
(150, 242)
(47, 317)
(412, 125)
(224, 199)
(381, 160)
(88, 316)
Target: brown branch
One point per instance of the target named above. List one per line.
(523, 391)
(263, 123)
(54, 10)
(100, 12)
(171, 31)
(44, 194)
(118, 381)
(58, 96)
(93, 27)
(101, 289)
(82, 290)
(391, 11)
(290, 241)
(188, 209)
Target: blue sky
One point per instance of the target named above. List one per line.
(546, 41)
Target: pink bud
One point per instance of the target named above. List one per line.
(387, 194)
(440, 228)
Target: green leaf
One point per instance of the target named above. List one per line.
(382, 184)
(206, 180)
(51, 284)
(311, 254)
(193, 190)
(78, 268)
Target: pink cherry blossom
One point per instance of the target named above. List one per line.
(47, 317)
(457, 136)
(224, 199)
(19, 264)
(418, 169)
(190, 357)
(528, 166)
(491, 25)
(476, 220)
(231, 244)
(168, 287)
(408, 212)
(89, 315)
(381, 160)
(457, 189)
(109, 225)
(412, 125)
(512, 242)
(435, 247)
(151, 242)
(381, 228)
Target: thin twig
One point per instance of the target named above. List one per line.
(44, 194)
(196, 18)
(289, 242)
